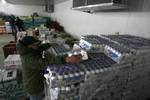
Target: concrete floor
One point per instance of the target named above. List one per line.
(4, 39)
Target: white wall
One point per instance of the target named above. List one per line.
(21, 10)
(136, 21)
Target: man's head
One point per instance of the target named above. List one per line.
(31, 42)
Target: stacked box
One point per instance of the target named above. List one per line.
(8, 27)
(131, 42)
(69, 78)
(10, 89)
(21, 35)
(50, 37)
(2, 29)
(121, 72)
(103, 44)
(129, 79)
(63, 81)
(120, 84)
(13, 62)
(9, 48)
(59, 49)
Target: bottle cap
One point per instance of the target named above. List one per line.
(66, 76)
(67, 88)
(62, 88)
(60, 77)
(76, 74)
(97, 71)
(71, 75)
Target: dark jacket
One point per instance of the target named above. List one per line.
(33, 66)
(19, 22)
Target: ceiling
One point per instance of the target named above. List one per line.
(32, 2)
(26, 2)
(59, 1)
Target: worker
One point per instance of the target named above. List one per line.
(13, 26)
(19, 24)
(33, 65)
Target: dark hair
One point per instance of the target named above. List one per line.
(27, 40)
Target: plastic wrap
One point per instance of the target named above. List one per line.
(12, 61)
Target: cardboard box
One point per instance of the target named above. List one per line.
(2, 22)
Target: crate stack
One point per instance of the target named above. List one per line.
(2, 27)
(103, 44)
(21, 35)
(47, 36)
(67, 79)
(59, 49)
(129, 78)
(117, 69)
(9, 48)
(63, 82)
(13, 62)
(10, 87)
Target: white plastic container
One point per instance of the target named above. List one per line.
(12, 61)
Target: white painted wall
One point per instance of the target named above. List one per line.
(128, 22)
(22, 10)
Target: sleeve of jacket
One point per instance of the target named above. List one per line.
(43, 47)
(37, 62)
(53, 59)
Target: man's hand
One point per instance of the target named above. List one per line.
(74, 59)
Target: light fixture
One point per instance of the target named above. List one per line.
(3, 1)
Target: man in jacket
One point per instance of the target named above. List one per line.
(34, 65)
(19, 24)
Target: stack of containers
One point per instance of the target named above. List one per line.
(129, 78)
(21, 35)
(50, 37)
(13, 62)
(10, 48)
(59, 49)
(63, 82)
(117, 69)
(10, 89)
(2, 27)
(8, 27)
(103, 44)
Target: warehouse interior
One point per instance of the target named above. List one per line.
(112, 36)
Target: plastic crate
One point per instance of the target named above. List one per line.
(10, 87)
(9, 49)
(13, 62)
(2, 29)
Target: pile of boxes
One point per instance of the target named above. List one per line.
(21, 35)
(129, 78)
(2, 26)
(59, 49)
(67, 79)
(9, 48)
(10, 88)
(125, 82)
(64, 81)
(117, 70)
(13, 62)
